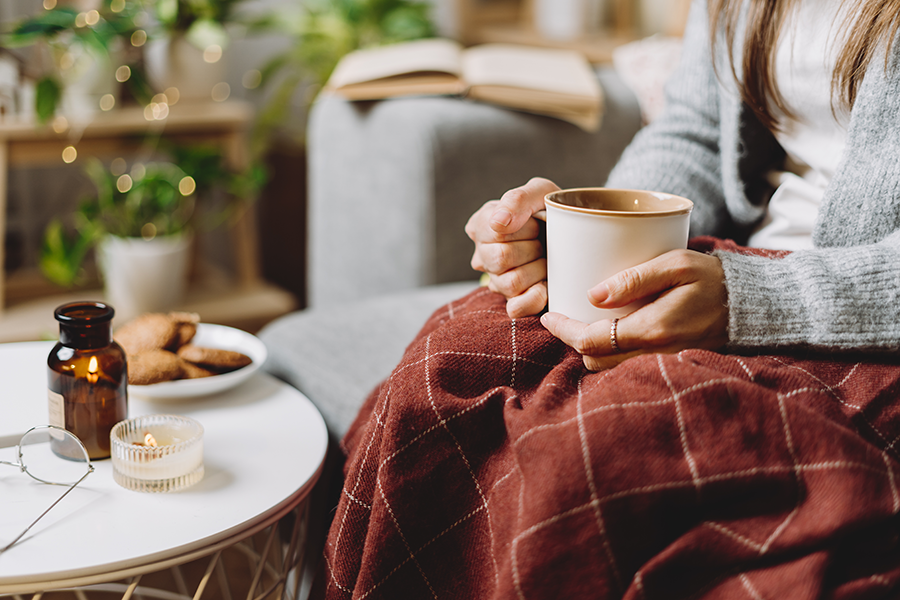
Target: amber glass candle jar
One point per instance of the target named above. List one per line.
(87, 376)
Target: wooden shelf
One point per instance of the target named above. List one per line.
(598, 48)
(184, 117)
(244, 300)
(117, 132)
(245, 306)
(514, 22)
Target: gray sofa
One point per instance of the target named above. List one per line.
(391, 186)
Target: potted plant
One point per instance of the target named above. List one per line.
(202, 22)
(163, 44)
(188, 45)
(322, 32)
(83, 51)
(141, 225)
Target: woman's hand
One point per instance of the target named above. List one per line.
(508, 249)
(690, 310)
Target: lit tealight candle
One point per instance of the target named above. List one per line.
(157, 453)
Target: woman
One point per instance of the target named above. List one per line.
(492, 464)
(809, 63)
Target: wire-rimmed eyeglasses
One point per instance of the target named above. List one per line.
(51, 455)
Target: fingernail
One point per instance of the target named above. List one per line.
(501, 216)
(544, 319)
(598, 294)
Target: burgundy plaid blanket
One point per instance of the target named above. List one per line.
(491, 465)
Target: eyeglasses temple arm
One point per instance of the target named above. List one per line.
(33, 523)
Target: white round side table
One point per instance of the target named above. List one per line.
(264, 445)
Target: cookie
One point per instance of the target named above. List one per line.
(154, 366)
(187, 327)
(214, 359)
(151, 331)
(192, 371)
(184, 317)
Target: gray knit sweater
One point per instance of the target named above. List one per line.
(708, 146)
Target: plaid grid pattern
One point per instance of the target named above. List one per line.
(491, 464)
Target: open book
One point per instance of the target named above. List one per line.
(546, 81)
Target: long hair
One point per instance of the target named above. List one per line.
(871, 28)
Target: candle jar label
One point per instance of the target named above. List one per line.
(56, 409)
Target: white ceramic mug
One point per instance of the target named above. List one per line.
(594, 233)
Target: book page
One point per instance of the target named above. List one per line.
(537, 99)
(421, 84)
(407, 58)
(559, 71)
(575, 109)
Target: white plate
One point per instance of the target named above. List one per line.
(210, 336)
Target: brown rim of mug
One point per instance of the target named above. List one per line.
(682, 205)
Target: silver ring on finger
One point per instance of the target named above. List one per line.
(613, 339)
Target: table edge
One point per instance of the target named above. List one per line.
(163, 560)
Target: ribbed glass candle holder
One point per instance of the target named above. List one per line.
(157, 453)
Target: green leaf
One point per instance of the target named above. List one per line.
(274, 65)
(48, 22)
(407, 23)
(206, 32)
(62, 255)
(103, 180)
(96, 41)
(46, 98)
(167, 11)
(139, 85)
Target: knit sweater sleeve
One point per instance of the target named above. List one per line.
(844, 294)
(829, 299)
(678, 152)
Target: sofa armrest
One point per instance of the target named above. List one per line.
(392, 183)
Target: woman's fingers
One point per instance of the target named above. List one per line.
(689, 310)
(519, 279)
(501, 257)
(669, 270)
(584, 338)
(479, 231)
(593, 341)
(508, 246)
(530, 302)
(518, 205)
(601, 363)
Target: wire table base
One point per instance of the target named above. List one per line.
(266, 564)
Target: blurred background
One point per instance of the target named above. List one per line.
(201, 106)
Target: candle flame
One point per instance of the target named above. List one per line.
(149, 440)
(93, 367)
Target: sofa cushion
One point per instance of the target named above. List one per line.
(337, 354)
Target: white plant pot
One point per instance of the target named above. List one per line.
(144, 276)
(86, 81)
(176, 63)
(566, 20)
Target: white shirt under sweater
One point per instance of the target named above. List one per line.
(814, 140)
